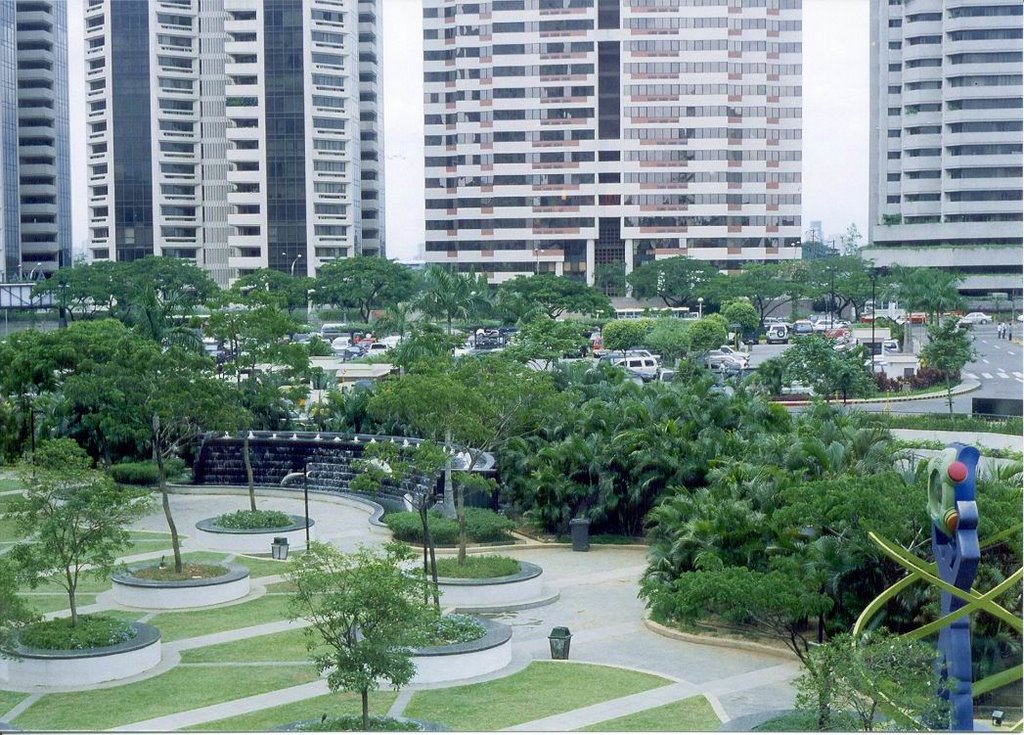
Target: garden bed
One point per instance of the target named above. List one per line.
(354, 723)
(522, 590)
(215, 537)
(203, 585)
(491, 652)
(83, 666)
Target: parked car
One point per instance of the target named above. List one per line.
(803, 327)
(976, 317)
(647, 367)
(777, 333)
(718, 360)
(743, 357)
(375, 348)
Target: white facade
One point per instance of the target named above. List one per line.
(239, 146)
(563, 135)
(946, 126)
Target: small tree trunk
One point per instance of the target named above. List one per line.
(426, 535)
(248, 472)
(365, 696)
(448, 504)
(164, 497)
(71, 588)
(460, 509)
(949, 395)
(433, 571)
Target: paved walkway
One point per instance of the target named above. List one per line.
(598, 602)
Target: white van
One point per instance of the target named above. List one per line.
(330, 331)
(645, 366)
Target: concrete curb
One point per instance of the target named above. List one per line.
(965, 387)
(709, 640)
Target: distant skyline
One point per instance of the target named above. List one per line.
(835, 135)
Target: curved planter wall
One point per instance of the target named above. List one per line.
(525, 588)
(243, 541)
(131, 591)
(465, 660)
(78, 668)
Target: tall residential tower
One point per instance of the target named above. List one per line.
(946, 151)
(35, 183)
(241, 134)
(566, 135)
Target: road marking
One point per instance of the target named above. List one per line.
(970, 376)
(987, 376)
(998, 347)
(1011, 354)
(1018, 375)
(1003, 375)
(985, 361)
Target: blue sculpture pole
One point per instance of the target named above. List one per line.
(954, 514)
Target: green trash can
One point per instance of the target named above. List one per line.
(579, 528)
(559, 641)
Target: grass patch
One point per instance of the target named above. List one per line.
(957, 422)
(87, 582)
(542, 689)
(263, 567)
(188, 571)
(190, 623)
(11, 483)
(281, 588)
(477, 567)
(9, 530)
(53, 601)
(287, 646)
(687, 715)
(805, 722)
(354, 723)
(611, 539)
(144, 542)
(9, 699)
(176, 691)
(333, 705)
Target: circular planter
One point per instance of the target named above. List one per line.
(38, 667)
(425, 725)
(465, 660)
(251, 540)
(132, 591)
(495, 594)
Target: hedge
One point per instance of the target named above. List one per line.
(482, 526)
(144, 473)
(92, 631)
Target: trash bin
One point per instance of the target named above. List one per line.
(559, 641)
(279, 547)
(580, 530)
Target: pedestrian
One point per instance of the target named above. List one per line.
(1001, 330)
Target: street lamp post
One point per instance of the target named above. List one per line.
(874, 312)
(700, 307)
(297, 257)
(831, 295)
(305, 497)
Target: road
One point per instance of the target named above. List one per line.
(999, 368)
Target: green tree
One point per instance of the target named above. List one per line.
(74, 518)
(669, 338)
(677, 281)
(708, 334)
(14, 611)
(765, 284)
(949, 348)
(741, 316)
(547, 340)
(450, 295)
(280, 289)
(610, 279)
(813, 361)
(253, 335)
(624, 334)
(365, 283)
(554, 295)
(365, 613)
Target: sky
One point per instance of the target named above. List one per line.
(835, 155)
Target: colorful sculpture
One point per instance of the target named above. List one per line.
(954, 515)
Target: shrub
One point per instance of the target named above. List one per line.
(354, 723)
(188, 571)
(451, 629)
(885, 384)
(252, 519)
(145, 473)
(945, 422)
(482, 526)
(92, 631)
(927, 377)
(478, 567)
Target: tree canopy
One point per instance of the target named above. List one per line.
(554, 295)
(364, 283)
(677, 281)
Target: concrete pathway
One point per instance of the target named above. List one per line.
(598, 603)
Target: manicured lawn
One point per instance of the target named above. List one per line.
(287, 646)
(9, 699)
(278, 588)
(89, 583)
(52, 602)
(189, 623)
(180, 689)
(262, 567)
(542, 689)
(9, 530)
(146, 541)
(687, 715)
(332, 705)
(10, 483)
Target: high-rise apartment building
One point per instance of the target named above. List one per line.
(35, 193)
(241, 134)
(946, 125)
(565, 135)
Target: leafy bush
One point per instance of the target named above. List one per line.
(145, 473)
(354, 723)
(927, 377)
(251, 519)
(482, 526)
(92, 631)
(478, 567)
(188, 571)
(451, 629)
(945, 422)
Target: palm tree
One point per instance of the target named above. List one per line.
(449, 295)
(163, 320)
